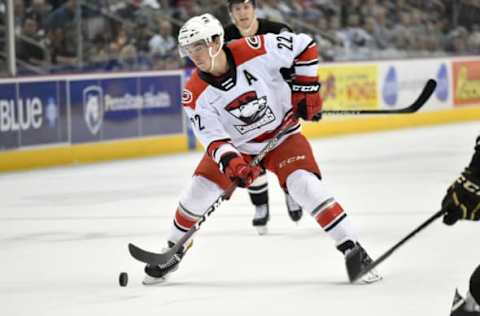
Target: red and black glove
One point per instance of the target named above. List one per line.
(306, 100)
(238, 170)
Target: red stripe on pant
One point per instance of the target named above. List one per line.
(183, 220)
(329, 215)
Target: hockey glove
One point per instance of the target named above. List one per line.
(238, 170)
(306, 100)
(462, 200)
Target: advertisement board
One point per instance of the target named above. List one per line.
(32, 113)
(348, 86)
(466, 82)
(83, 109)
(402, 81)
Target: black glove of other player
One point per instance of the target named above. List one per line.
(462, 200)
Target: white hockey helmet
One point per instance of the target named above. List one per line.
(199, 28)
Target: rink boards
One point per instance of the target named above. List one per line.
(54, 120)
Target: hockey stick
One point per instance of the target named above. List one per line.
(414, 107)
(153, 258)
(355, 275)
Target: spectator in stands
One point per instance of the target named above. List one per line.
(349, 8)
(128, 58)
(99, 51)
(378, 38)
(325, 41)
(357, 36)
(40, 9)
(62, 33)
(184, 9)
(163, 43)
(272, 10)
(142, 35)
(63, 16)
(474, 39)
(403, 26)
(61, 53)
(120, 40)
(458, 41)
(28, 47)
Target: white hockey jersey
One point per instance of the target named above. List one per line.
(245, 106)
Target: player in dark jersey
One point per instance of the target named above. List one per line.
(245, 24)
(462, 202)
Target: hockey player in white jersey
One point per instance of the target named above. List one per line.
(236, 101)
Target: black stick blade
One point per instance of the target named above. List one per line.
(151, 258)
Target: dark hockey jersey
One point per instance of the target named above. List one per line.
(247, 105)
(264, 27)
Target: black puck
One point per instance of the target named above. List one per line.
(123, 278)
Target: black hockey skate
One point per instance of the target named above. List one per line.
(294, 209)
(464, 307)
(356, 259)
(158, 274)
(261, 218)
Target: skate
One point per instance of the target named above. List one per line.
(261, 218)
(159, 274)
(464, 306)
(294, 209)
(357, 259)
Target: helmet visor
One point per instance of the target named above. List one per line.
(193, 49)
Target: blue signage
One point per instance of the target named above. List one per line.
(390, 87)
(442, 83)
(89, 110)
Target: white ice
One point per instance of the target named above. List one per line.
(64, 235)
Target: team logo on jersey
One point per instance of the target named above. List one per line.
(187, 96)
(254, 42)
(251, 110)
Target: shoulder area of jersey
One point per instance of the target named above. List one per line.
(192, 89)
(247, 48)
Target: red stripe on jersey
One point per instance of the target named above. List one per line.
(329, 215)
(183, 220)
(310, 54)
(306, 79)
(245, 49)
(192, 90)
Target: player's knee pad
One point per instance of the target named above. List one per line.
(193, 203)
(307, 189)
(310, 192)
(201, 193)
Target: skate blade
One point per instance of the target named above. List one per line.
(262, 230)
(148, 280)
(370, 277)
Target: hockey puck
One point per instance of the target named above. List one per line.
(123, 278)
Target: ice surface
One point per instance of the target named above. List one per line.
(64, 235)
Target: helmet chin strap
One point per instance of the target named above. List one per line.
(212, 56)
